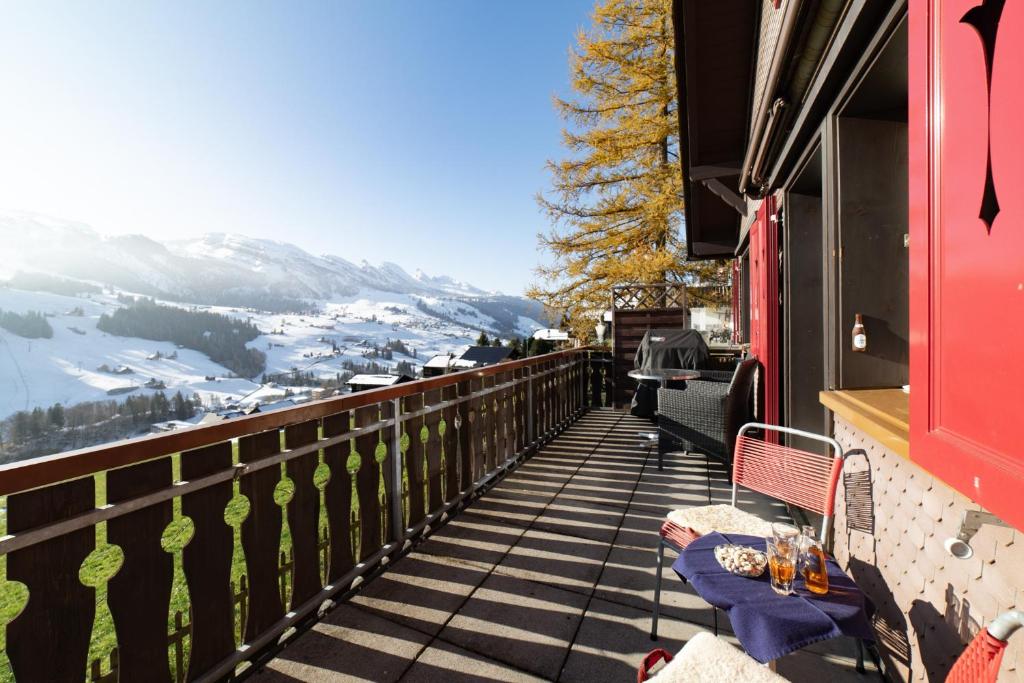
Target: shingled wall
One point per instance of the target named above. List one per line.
(891, 522)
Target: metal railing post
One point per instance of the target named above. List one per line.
(397, 516)
(529, 406)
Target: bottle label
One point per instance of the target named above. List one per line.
(860, 341)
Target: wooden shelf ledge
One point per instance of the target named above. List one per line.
(883, 414)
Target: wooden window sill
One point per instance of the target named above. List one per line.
(883, 414)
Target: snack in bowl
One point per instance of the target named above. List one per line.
(741, 560)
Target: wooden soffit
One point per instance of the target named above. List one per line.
(714, 58)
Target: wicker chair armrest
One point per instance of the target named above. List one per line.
(716, 376)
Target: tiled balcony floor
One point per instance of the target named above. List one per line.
(549, 576)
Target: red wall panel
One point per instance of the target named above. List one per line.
(764, 305)
(967, 248)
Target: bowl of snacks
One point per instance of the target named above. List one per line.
(741, 560)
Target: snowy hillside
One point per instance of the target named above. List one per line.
(323, 314)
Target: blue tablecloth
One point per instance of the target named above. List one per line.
(767, 624)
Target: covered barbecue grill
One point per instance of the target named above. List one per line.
(665, 348)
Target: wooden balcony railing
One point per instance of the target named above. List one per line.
(400, 460)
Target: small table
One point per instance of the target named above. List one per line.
(664, 375)
(767, 624)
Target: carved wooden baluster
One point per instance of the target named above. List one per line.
(523, 415)
(368, 483)
(49, 639)
(506, 423)
(477, 424)
(516, 409)
(434, 447)
(558, 382)
(545, 399)
(261, 533)
(139, 595)
(414, 457)
(450, 445)
(490, 424)
(206, 559)
(338, 499)
(573, 383)
(304, 512)
(560, 399)
(465, 436)
(568, 375)
(387, 469)
(510, 416)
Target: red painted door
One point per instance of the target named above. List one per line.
(966, 65)
(764, 305)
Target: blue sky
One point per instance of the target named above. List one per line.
(407, 131)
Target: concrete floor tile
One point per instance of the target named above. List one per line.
(524, 624)
(807, 666)
(565, 562)
(613, 640)
(348, 645)
(629, 577)
(421, 591)
(640, 528)
(474, 539)
(576, 518)
(451, 664)
(510, 506)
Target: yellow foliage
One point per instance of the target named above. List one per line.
(615, 203)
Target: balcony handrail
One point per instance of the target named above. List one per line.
(50, 469)
(12, 542)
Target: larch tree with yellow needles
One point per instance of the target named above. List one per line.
(615, 202)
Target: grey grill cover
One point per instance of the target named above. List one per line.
(665, 349)
(672, 349)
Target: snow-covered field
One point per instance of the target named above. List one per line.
(64, 369)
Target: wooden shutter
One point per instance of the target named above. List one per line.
(967, 248)
(764, 305)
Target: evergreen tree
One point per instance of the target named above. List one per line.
(182, 407)
(517, 346)
(21, 427)
(615, 201)
(37, 425)
(55, 415)
(483, 339)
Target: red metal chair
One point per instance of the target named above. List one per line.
(979, 663)
(801, 478)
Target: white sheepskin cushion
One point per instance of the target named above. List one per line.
(722, 518)
(707, 659)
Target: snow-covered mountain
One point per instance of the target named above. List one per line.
(318, 315)
(218, 268)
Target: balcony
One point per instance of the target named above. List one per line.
(512, 539)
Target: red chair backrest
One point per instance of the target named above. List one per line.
(979, 663)
(798, 477)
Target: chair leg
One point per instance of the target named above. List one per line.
(657, 590)
(860, 655)
(661, 460)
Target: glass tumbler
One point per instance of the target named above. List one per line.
(782, 559)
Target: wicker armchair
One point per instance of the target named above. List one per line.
(705, 416)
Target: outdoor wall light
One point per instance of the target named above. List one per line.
(970, 523)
